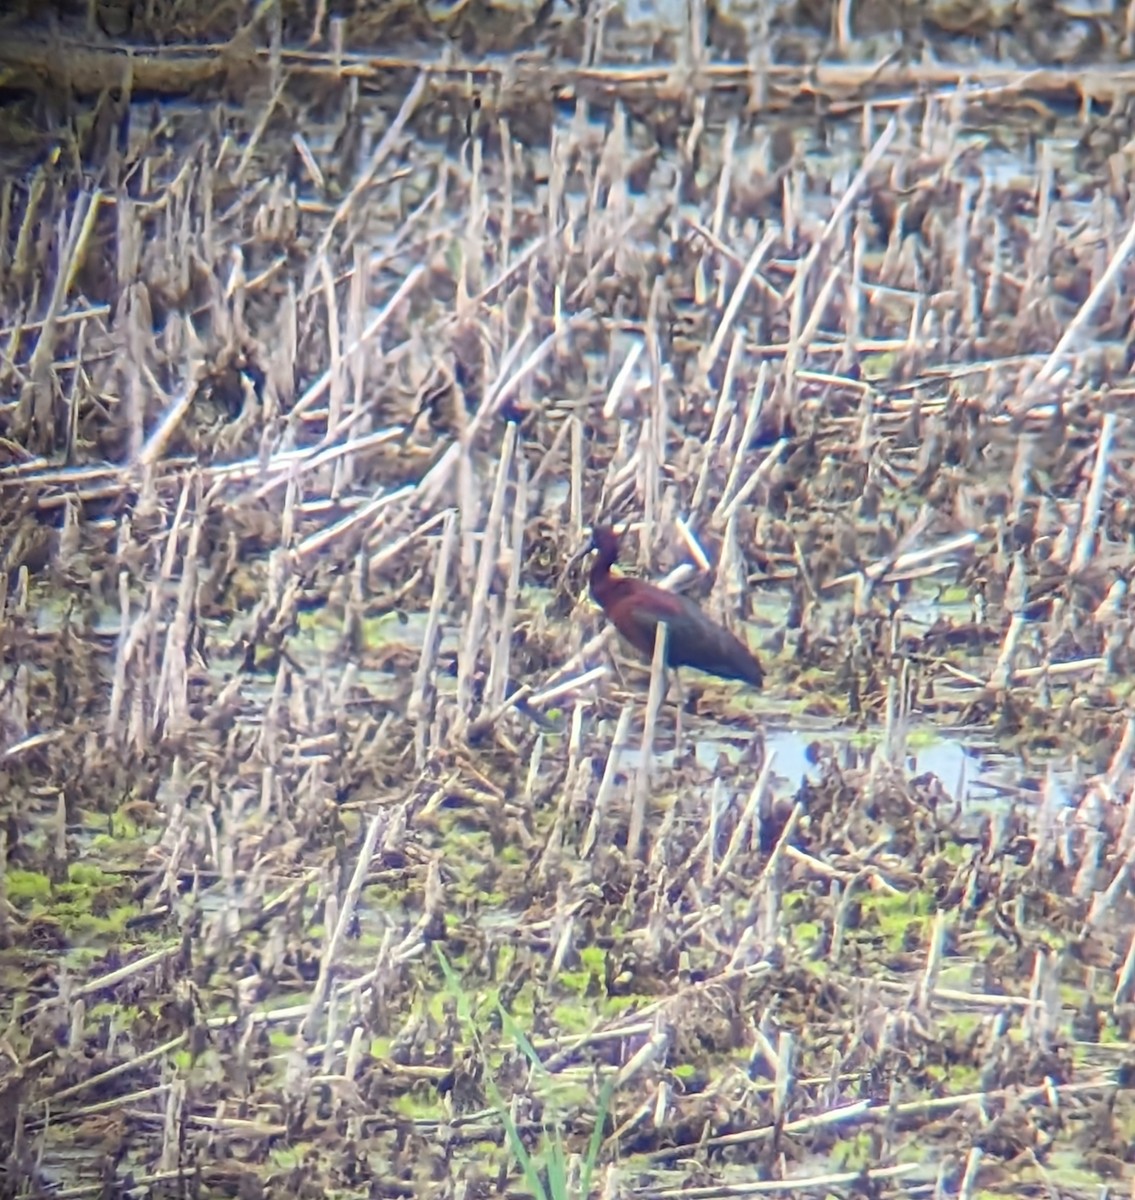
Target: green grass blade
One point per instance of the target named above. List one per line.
(557, 1171)
(595, 1143)
(513, 1030)
(516, 1144)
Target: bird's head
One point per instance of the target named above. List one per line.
(605, 542)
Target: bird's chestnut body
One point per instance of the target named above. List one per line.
(636, 607)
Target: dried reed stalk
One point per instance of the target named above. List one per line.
(645, 768)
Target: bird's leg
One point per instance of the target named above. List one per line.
(618, 671)
(678, 718)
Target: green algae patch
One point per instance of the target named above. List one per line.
(807, 934)
(91, 876)
(571, 1020)
(856, 1151)
(77, 920)
(384, 898)
(418, 1103)
(956, 854)
(953, 1078)
(281, 1039)
(588, 978)
(627, 1003)
(317, 631)
(512, 856)
(183, 1060)
(322, 630)
(27, 888)
(88, 904)
(122, 830)
(901, 921)
(879, 367)
(291, 1156)
(922, 738)
(961, 1024)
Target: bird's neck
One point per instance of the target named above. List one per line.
(603, 583)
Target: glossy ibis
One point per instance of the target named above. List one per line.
(635, 608)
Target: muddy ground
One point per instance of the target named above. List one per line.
(345, 852)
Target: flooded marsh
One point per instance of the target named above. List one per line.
(345, 849)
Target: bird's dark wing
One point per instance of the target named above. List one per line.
(692, 638)
(638, 626)
(697, 641)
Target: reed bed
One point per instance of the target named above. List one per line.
(312, 398)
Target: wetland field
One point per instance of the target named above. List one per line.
(344, 850)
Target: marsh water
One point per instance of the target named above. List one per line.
(296, 460)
